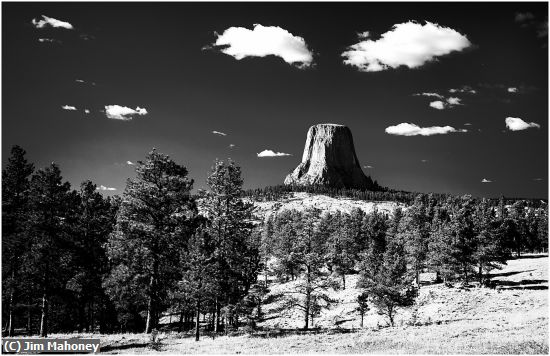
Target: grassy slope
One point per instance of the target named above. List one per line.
(511, 319)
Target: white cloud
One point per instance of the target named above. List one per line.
(439, 105)
(406, 129)
(51, 22)
(79, 81)
(484, 180)
(219, 133)
(465, 89)
(240, 42)
(430, 94)
(124, 113)
(368, 167)
(68, 107)
(424, 160)
(453, 101)
(407, 44)
(86, 111)
(537, 179)
(130, 163)
(512, 90)
(102, 187)
(49, 40)
(467, 124)
(448, 103)
(270, 153)
(231, 145)
(517, 124)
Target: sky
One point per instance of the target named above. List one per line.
(440, 97)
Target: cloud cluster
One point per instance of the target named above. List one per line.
(219, 133)
(261, 41)
(270, 153)
(51, 22)
(517, 124)
(407, 129)
(446, 104)
(123, 113)
(407, 44)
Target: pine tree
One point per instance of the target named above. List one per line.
(94, 222)
(49, 257)
(156, 218)
(230, 226)
(15, 214)
(390, 285)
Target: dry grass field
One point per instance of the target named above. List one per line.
(511, 319)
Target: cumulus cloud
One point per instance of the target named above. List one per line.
(219, 133)
(51, 22)
(68, 107)
(484, 180)
(448, 103)
(439, 105)
(512, 90)
(124, 113)
(407, 44)
(130, 163)
(270, 153)
(261, 41)
(86, 111)
(452, 101)
(517, 124)
(102, 187)
(407, 129)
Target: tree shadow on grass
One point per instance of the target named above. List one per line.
(535, 284)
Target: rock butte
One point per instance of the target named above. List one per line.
(329, 159)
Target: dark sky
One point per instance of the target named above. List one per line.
(151, 56)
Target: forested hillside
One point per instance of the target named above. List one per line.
(74, 260)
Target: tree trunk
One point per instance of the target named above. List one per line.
(308, 299)
(150, 324)
(197, 323)
(44, 317)
(10, 317)
(362, 317)
(417, 277)
(217, 325)
(344, 280)
(180, 326)
(29, 316)
(480, 275)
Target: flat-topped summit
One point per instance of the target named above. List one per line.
(329, 159)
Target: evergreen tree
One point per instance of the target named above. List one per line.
(230, 226)
(49, 257)
(390, 285)
(15, 215)
(156, 218)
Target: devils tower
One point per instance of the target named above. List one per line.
(329, 159)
